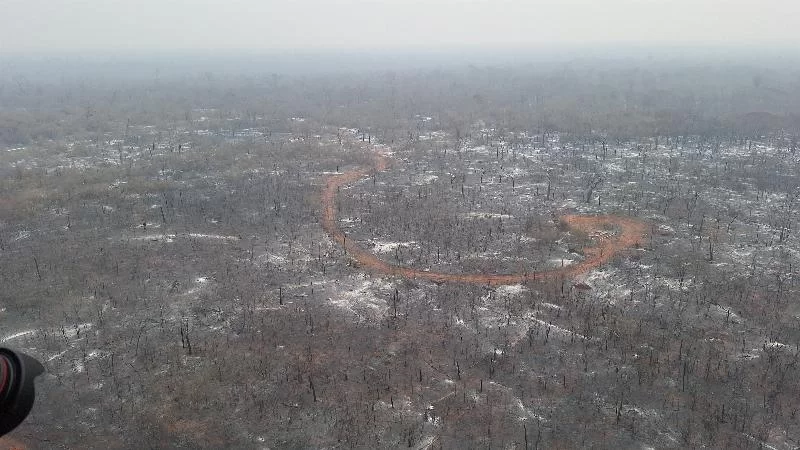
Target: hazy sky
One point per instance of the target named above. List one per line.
(81, 25)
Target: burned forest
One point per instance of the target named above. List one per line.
(561, 254)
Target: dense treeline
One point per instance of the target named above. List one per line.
(622, 100)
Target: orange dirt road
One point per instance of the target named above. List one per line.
(630, 233)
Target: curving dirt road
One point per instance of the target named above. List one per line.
(629, 234)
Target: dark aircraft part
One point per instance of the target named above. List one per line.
(17, 372)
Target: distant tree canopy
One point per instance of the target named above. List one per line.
(619, 100)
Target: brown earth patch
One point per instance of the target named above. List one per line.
(629, 234)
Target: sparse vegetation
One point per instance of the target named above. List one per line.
(171, 252)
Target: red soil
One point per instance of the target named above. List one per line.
(629, 233)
